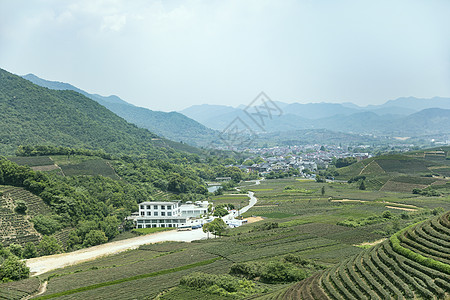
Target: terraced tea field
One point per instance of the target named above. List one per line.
(14, 227)
(412, 264)
(306, 227)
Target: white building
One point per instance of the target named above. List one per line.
(168, 214)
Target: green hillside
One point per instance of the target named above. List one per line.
(413, 264)
(33, 115)
(425, 169)
(172, 125)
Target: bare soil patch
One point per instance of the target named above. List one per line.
(45, 168)
(254, 219)
(401, 208)
(407, 205)
(370, 243)
(348, 200)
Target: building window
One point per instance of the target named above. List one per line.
(163, 207)
(149, 213)
(155, 206)
(169, 214)
(155, 213)
(162, 225)
(170, 225)
(169, 206)
(142, 213)
(148, 206)
(163, 214)
(142, 206)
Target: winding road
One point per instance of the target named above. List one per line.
(43, 264)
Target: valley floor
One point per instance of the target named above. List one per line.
(43, 264)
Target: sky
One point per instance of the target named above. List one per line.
(168, 55)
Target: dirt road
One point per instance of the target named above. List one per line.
(40, 265)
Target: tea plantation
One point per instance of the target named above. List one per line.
(412, 264)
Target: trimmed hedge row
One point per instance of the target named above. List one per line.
(395, 243)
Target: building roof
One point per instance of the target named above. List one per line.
(159, 202)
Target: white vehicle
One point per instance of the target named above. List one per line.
(184, 228)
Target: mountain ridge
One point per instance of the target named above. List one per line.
(34, 115)
(171, 125)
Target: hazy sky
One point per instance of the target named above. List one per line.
(168, 55)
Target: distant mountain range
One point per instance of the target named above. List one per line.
(401, 117)
(171, 125)
(200, 125)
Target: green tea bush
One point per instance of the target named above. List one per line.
(266, 226)
(224, 285)
(271, 272)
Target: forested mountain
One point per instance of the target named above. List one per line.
(172, 125)
(31, 115)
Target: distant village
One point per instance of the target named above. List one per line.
(305, 159)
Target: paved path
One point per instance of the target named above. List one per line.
(43, 264)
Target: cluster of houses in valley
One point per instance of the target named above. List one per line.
(305, 159)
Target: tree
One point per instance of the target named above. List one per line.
(16, 249)
(323, 190)
(248, 162)
(48, 246)
(110, 227)
(220, 212)
(95, 237)
(46, 224)
(29, 251)
(21, 207)
(362, 186)
(216, 227)
(13, 269)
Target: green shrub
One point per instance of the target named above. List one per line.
(224, 285)
(265, 226)
(29, 251)
(386, 214)
(46, 224)
(13, 269)
(16, 250)
(21, 207)
(95, 237)
(48, 245)
(271, 272)
(220, 212)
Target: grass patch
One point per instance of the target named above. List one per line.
(144, 231)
